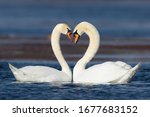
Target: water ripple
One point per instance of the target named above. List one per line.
(138, 88)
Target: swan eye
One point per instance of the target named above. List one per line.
(69, 33)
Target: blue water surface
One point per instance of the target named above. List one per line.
(138, 88)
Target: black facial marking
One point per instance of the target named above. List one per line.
(68, 30)
(75, 33)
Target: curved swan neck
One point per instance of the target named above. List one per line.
(55, 42)
(94, 41)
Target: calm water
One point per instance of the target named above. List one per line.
(138, 88)
(125, 19)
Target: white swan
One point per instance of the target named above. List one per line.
(43, 73)
(107, 72)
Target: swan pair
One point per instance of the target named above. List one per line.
(107, 72)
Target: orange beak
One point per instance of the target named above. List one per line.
(69, 33)
(76, 38)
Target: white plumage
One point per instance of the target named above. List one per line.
(107, 72)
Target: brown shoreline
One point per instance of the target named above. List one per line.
(40, 49)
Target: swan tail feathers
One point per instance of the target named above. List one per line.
(136, 67)
(13, 69)
(19, 74)
(126, 78)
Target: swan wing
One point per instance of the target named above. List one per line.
(38, 70)
(123, 64)
(107, 72)
(128, 76)
(39, 74)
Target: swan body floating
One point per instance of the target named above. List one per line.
(107, 72)
(43, 73)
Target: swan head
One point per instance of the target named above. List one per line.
(79, 30)
(64, 29)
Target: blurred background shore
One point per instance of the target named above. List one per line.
(124, 26)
